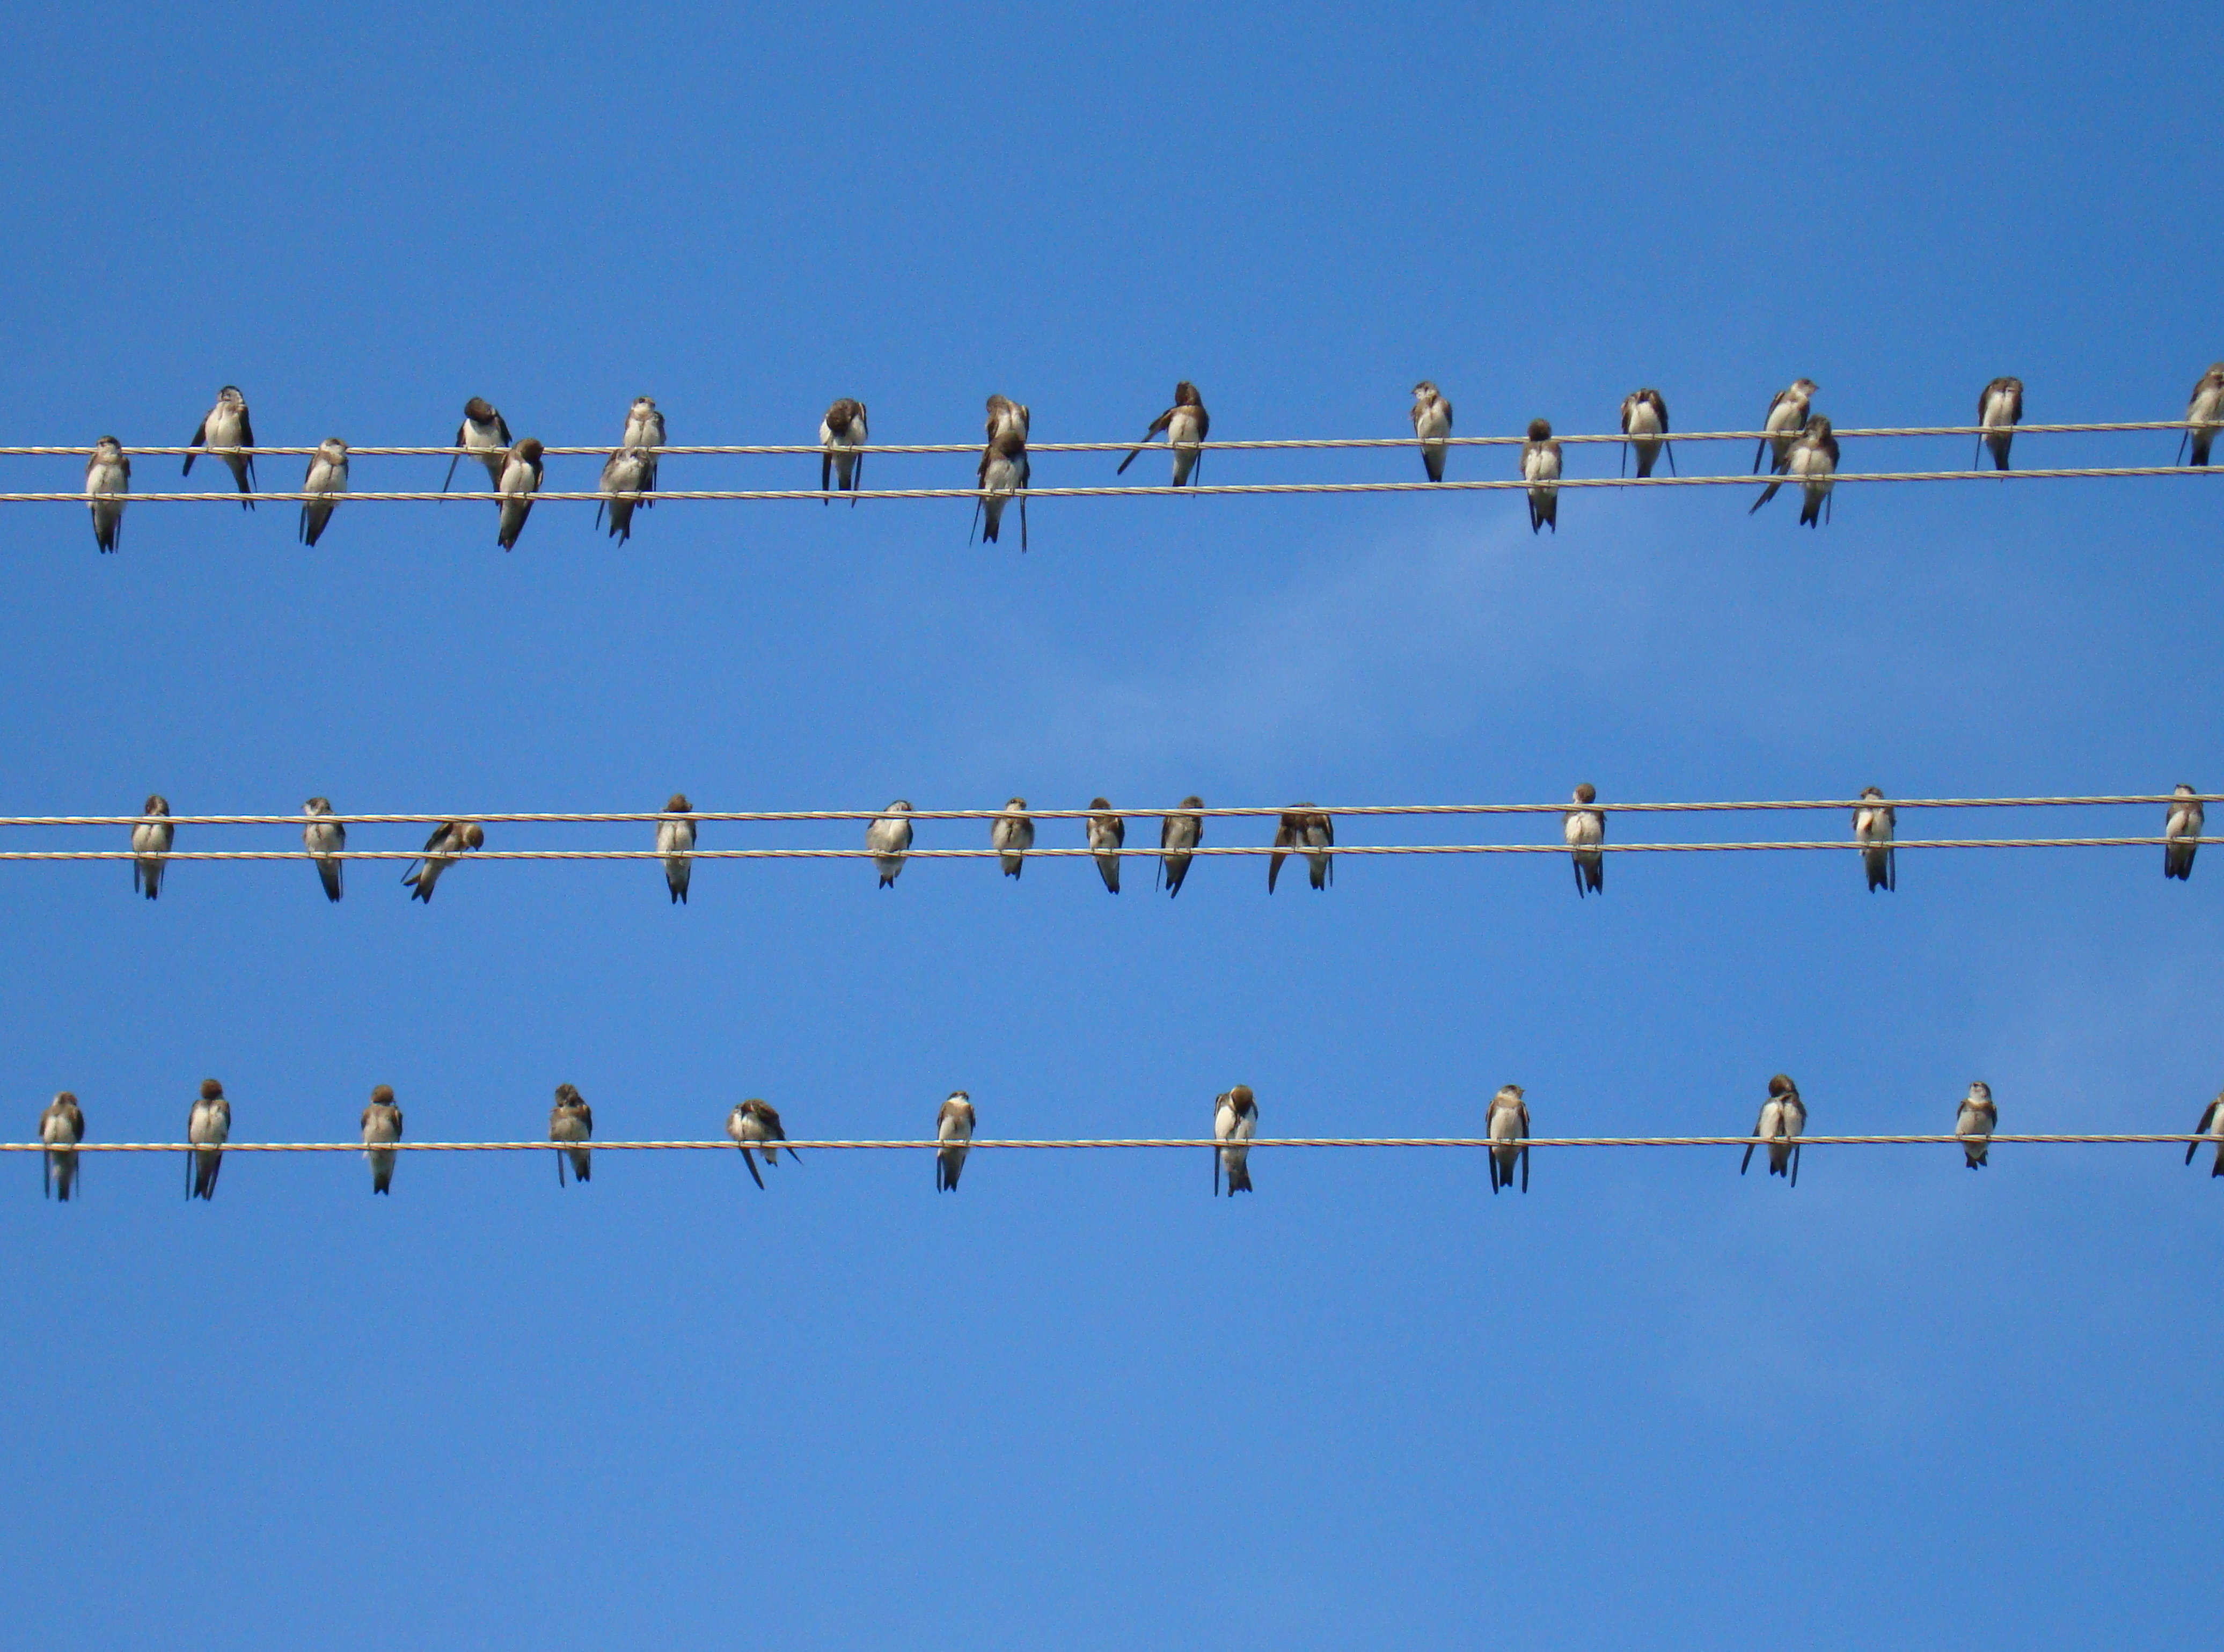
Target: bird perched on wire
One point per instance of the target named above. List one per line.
(1179, 833)
(325, 837)
(1508, 1129)
(1003, 472)
(382, 1125)
(484, 435)
(225, 431)
(675, 841)
(841, 433)
(1432, 423)
(888, 837)
(1234, 1122)
(1006, 415)
(1584, 829)
(150, 842)
(208, 1127)
(1783, 1121)
(107, 479)
(1999, 409)
(450, 840)
(1787, 417)
(953, 1128)
(1814, 461)
(644, 432)
(61, 1127)
(1011, 835)
(2211, 1127)
(328, 478)
(1184, 425)
(1645, 422)
(626, 473)
(1108, 834)
(1540, 468)
(1873, 829)
(1306, 830)
(753, 1123)
(521, 480)
(2204, 413)
(2182, 828)
(1975, 1122)
(571, 1120)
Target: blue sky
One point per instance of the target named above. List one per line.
(1080, 1403)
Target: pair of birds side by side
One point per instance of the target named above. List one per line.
(1783, 1121)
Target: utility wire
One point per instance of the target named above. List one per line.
(2095, 1139)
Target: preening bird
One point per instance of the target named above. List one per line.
(484, 435)
(953, 1128)
(382, 1123)
(841, 433)
(150, 841)
(1307, 831)
(1432, 423)
(225, 431)
(1975, 1122)
(753, 1123)
(325, 837)
(889, 839)
(2211, 1126)
(1645, 422)
(1011, 835)
(1783, 1121)
(1787, 417)
(1584, 829)
(521, 480)
(1178, 833)
(1508, 1128)
(2182, 827)
(1006, 415)
(1234, 1122)
(1003, 473)
(571, 1120)
(327, 476)
(1108, 834)
(1540, 468)
(450, 839)
(644, 431)
(1183, 425)
(107, 479)
(2204, 413)
(626, 473)
(1873, 829)
(208, 1127)
(61, 1127)
(675, 841)
(1999, 410)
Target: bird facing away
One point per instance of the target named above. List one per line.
(150, 841)
(107, 479)
(1305, 829)
(325, 837)
(889, 840)
(1183, 425)
(328, 475)
(1999, 410)
(644, 431)
(521, 480)
(753, 1123)
(1508, 1124)
(841, 433)
(1787, 417)
(1432, 423)
(2212, 1126)
(61, 1127)
(1108, 834)
(1783, 1120)
(1178, 833)
(1873, 830)
(1011, 835)
(571, 1120)
(2204, 413)
(625, 474)
(450, 839)
(207, 1127)
(1234, 1122)
(225, 431)
(484, 435)
(1813, 462)
(2181, 825)
(1002, 473)
(953, 1128)
(675, 841)
(1540, 467)
(1645, 422)
(1584, 829)
(382, 1122)
(1975, 1122)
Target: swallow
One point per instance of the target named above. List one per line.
(1508, 1121)
(1787, 416)
(889, 839)
(61, 1127)
(1999, 410)
(625, 474)
(1234, 1122)
(571, 1120)
(1306, 830)
(675, 841)
(150, 841)
(841, 433)
(450, 839)
(1007, 416)
(644, 429)
(1873, 829)
(2182, 827)
(382, 1122)
(1108, 834)
(1540, 466)
(484, 435)
(1433, 422)
(325, 837)
(753, 1123)
(521, 480)
(2204, 414)
(1178, 833)
(207, 1127)
(953, 1128)
(1645, 422)
(1011, 835)
(107, 479)
(1003, 471)
(1783, 1119)
(1184, 425)
(1584, 830)
(328, 475)
(2211, 1127)
(225, 431)
(1976, 1122)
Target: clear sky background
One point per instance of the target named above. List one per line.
(1080, 1403)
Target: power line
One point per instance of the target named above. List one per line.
(1122, 1143)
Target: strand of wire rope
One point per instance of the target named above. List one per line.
(2084, 1139)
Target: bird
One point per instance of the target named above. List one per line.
(1873, 829)
(2204, 413)
(1540, 467)
(484, 435)
(1307, 831)
(841, 433)
(450, 839)
(1999, 409)
(625, 473)
(107, 479)
(1006, 414)
(675, 841)
(571, 1120)
(325, 837)
(1432, 423)
(753, 1123)
(1185, 424)
(225, 431)
(888, 837)
(1976, 1122)
(644, 429)
(1179, 833)
(1812, 460)
(1003, 471)
(328, 475)
(382, 1122)
(1645, 422)
(1787, 416)
(207, 1127)
(2212, 1127)
(1011, 835)
(1508, 1124)
(953, 1128)
(1108, 832)
(521, 480)
(61, 1127)
(1234, 1122)
(150, 841)
(2180, 828)
(1584, 830)
(1783, 1118)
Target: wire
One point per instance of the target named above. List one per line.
(2094, 1139)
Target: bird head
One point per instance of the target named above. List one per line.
(318, 806)
(480, 411)
(1185, 396)
(567, 1095)
(1871, 791)
(678, 804)
(1818, 429)
(473, 836)
(211, 1091)
(157, 804)
(1540, 430)
(108, 447)
(1100, 802)
(1511, 1092)
(1016, 803)
(1425, 391)
(644, 404)
(382, 1095)
(529, 450)
(2185, 789)
(901, 805)
(1980, 1091)
(65, 1098)
(1192, 802)
(1586, 793)
(229, 396)
(1804, 387)
(1239, 1097)
(1781, 1085)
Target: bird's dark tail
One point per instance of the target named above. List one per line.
(750, 1165)
(329, 871)
(1767, 493)
(1745, 1163)
(1525, 1169)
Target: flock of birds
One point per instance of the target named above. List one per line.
(1798, 444)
